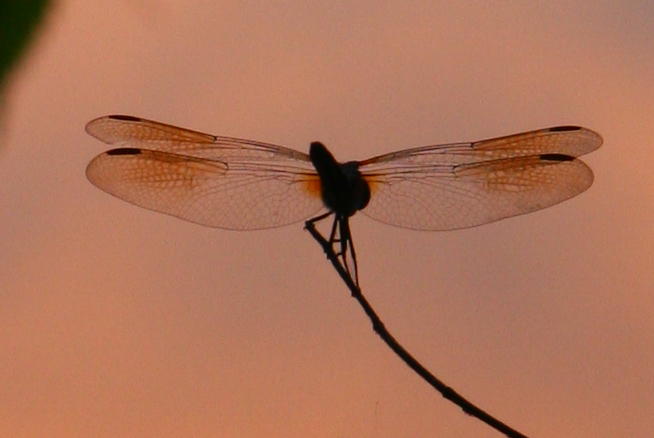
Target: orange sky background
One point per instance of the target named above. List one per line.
(118, 321)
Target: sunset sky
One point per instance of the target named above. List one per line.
(116, 321)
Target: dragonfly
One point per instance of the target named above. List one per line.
(237, 184)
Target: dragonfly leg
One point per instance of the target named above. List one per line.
(332, 236)
(347, 245)
(340, 233)
(318, 218)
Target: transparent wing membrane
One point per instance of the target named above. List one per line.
(136, 132)
(242, 184)
(233, 184)
(462, 185)
(568, 140)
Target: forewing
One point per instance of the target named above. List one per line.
(215, 181)
(569, 140)
(463, 185)
(119, 130)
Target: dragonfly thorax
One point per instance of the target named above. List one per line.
(343, 189)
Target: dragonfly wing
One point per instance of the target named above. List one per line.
(569, 140)
(463, 185)
(215, 181)
(132, 131)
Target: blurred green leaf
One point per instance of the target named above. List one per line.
(18, 20)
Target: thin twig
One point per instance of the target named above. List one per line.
(380, 329)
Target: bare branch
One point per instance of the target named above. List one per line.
(380, 329)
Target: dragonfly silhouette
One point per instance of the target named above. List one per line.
(239, 184)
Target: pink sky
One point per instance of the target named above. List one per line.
(118, 321)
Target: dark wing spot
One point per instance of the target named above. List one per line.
(556, 157)
(126, 118)
(564, 128)
(124, 151)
